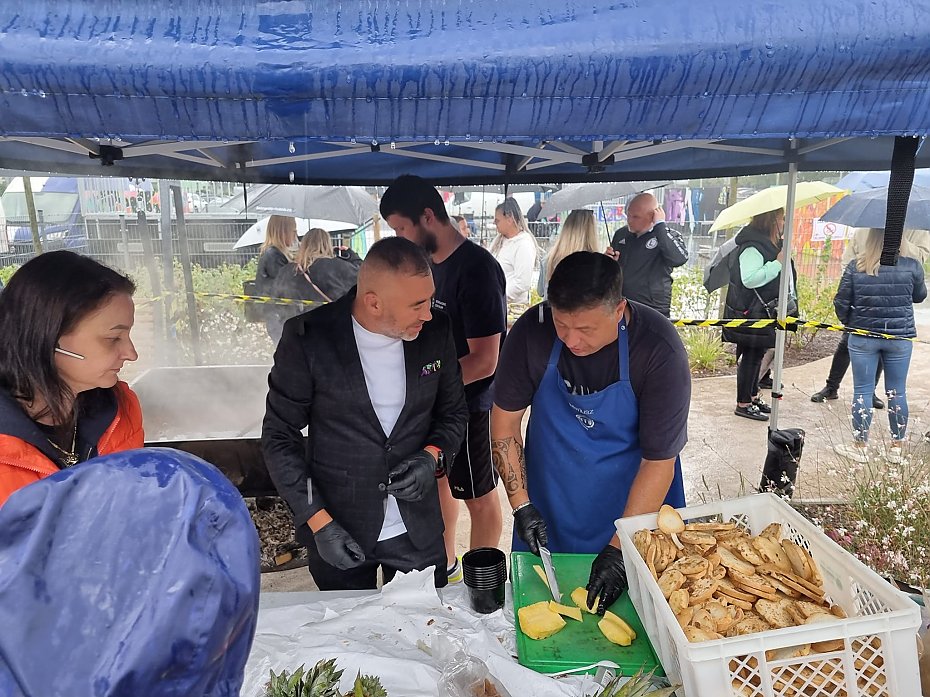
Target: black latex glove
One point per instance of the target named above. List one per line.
(531, 528)
(337, 548)
(413, 478)
(608, 578)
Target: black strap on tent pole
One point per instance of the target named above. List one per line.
(899, 191)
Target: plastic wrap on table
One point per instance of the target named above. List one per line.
(131, 574)
(463, 675)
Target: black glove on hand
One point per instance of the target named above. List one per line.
(337, 548)
(531, 528)
(608, 578)
(413, 478)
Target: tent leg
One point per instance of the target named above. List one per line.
(783, 290)
(185, 254)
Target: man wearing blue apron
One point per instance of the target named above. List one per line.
(609, 388)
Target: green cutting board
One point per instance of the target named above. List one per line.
(578, 644)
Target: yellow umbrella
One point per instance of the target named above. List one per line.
(772, 199)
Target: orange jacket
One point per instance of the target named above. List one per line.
(22, 462)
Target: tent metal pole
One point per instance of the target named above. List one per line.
(783, 290)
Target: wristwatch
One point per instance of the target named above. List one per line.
(441, 468)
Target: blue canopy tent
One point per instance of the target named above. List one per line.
(469, 91)
(462, 91)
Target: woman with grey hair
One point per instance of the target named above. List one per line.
(515, 250)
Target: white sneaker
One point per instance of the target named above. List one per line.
(852, 452)
(894, 455)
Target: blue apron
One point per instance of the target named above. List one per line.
(582, 454)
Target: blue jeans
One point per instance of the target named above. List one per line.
(864, 353)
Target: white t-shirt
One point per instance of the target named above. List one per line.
(386, 379)
(517, 257)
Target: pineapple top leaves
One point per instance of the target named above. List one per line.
(637, 686)
(321, 681)
(367, 686)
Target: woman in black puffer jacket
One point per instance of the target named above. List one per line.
(319, 274)
(755, 277)
(879, 299)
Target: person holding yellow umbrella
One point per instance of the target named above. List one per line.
(755, 268)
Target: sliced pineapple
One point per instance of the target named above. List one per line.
(541, 573)
(616, 630)
(565, 610)
(537, 621)
(580, 598)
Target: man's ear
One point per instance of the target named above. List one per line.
(621, 308)
(373, 303)
(427, 218)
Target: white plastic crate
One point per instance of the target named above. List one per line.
(879, 657)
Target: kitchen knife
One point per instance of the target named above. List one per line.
(550, 574)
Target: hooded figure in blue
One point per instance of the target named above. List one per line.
(130, 575)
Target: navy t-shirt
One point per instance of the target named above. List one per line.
(470, 288)
(659, 373)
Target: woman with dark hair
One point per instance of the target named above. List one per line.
(755, 277)
(64, 336)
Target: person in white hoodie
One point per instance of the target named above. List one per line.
(515, 250)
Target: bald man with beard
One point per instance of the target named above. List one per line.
(647, 251)
(375, 378)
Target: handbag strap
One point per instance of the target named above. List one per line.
(317, 288)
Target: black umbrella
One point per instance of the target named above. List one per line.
(867, 209)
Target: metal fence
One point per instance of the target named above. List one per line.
(117, 240)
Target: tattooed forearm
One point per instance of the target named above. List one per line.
(508, 457)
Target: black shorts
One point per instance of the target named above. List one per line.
(472, 474)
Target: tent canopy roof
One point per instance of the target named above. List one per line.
(467, 91)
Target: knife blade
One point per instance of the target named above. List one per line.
(546, 557)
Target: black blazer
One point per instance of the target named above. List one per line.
(317, 381)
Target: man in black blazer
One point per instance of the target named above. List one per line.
(376, 379)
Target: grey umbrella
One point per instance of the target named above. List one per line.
(868, 208)
(576, 196)
(348, 203)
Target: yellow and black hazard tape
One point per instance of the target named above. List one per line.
(790, 323)
(229, 296)
(259, 299)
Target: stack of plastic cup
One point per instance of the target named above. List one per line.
(485, 572)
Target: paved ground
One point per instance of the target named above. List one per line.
(725, 453)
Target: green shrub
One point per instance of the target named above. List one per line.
(705, 349)
(6, 272)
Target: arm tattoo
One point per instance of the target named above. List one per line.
(503, 454)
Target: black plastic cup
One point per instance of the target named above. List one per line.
(485, 572)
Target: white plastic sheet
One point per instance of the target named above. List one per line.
(385, 634)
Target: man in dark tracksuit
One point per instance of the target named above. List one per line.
(647, 251)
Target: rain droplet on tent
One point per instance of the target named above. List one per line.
(290, 177)
(290, 147)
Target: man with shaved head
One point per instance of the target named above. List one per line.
(647, 251)
(375, 378)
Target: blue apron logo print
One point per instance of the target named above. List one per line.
(585, 421)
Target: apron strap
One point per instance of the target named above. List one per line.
(623, 352)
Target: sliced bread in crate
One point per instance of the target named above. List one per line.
(751, 599)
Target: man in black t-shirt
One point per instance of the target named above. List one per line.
(470, 288)
(610, 388)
